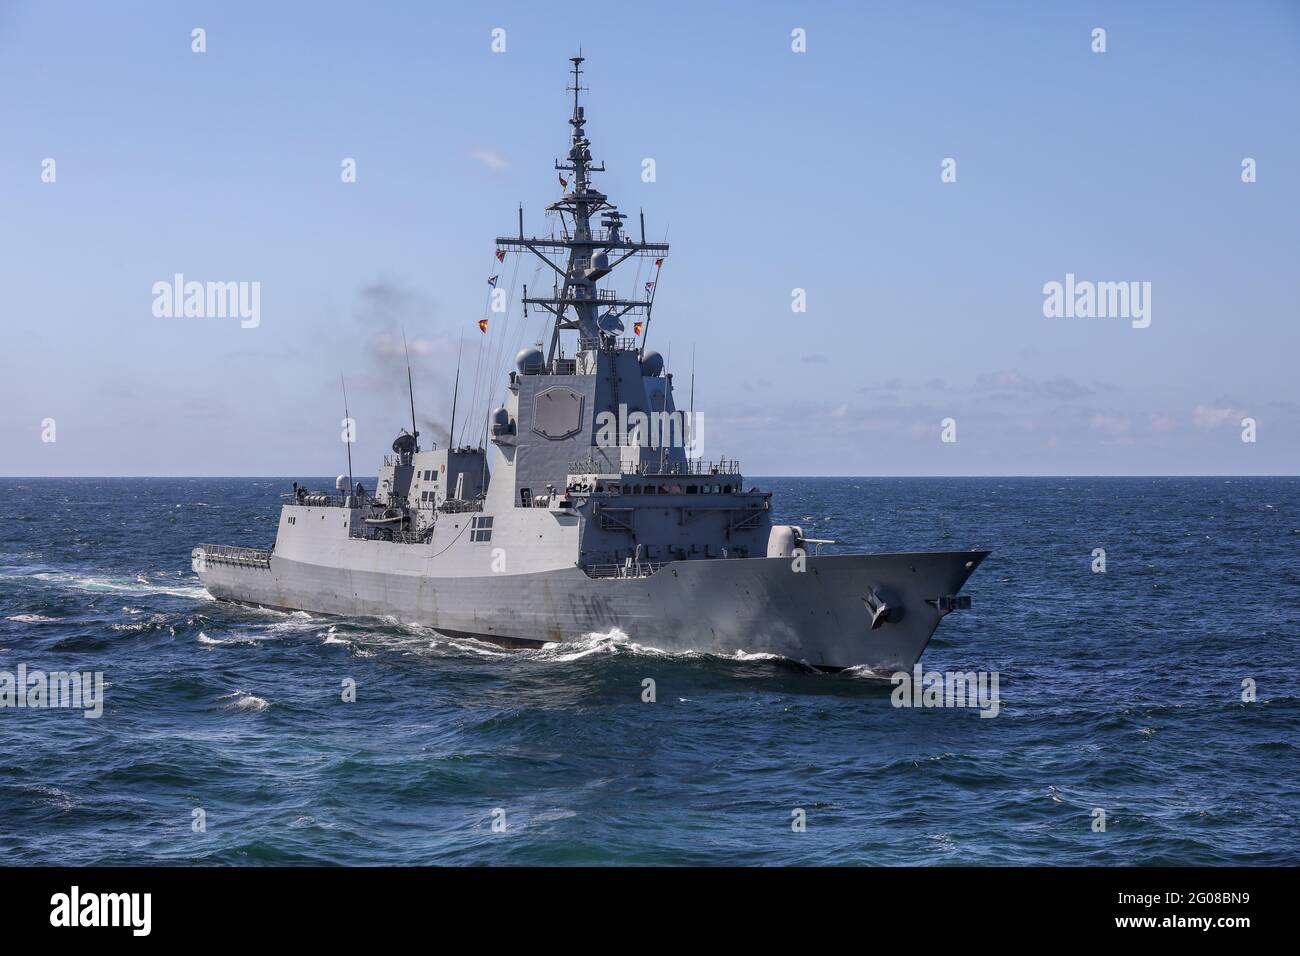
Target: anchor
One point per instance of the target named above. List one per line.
(879, 608)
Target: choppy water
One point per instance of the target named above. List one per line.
(1119, 690)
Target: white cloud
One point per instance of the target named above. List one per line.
(1214, 416)
(1109, 424)
(490, 158)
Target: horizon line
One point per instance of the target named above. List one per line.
(981, 476)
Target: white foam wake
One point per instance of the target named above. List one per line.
(614, 641)
(138, 585)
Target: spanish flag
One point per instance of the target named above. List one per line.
(482, 326)
(563, 182)
(636, 328)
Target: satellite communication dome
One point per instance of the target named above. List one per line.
(341, 483)
(529, 361)
(610, 323)
(652, 364)
(501, 417)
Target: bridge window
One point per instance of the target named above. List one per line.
(480, 528)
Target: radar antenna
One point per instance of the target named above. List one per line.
(410, 388)
(455, 394)
(347, 424)
(594, 249)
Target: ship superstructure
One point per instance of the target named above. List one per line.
(586, 507)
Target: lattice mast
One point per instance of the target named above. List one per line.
(575, 301)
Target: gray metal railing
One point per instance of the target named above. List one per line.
(698, 466)
(233, 555)
(367, 533)
(642, 570)
(621, 343)
(317, 500)
(722, 467)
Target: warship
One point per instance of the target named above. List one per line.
(583, 503)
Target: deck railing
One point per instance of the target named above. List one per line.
(611, 343)
(642, 570)
(368, 533)
(312, 500)
(691, 466)
(234, 555)
(458, 505)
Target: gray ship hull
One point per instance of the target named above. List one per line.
(589, 505)
(822, 615)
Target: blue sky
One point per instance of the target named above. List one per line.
(775, 170)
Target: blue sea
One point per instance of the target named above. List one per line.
(1121, 691)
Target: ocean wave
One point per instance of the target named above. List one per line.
(293, 625)
(469, 645)
(153, 623)
(30, 618)
(246, 629)
(54, 796)
(613, 641)
(863, 672)
(245, 702)
(236, 640)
